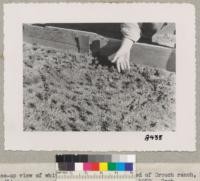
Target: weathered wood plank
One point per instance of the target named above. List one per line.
(155, 56)
(51, 44)
(145, 54)
(50, 34)
(80, 41)
(83, 43)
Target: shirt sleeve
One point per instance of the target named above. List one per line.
(131, 31)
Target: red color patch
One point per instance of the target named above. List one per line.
(95, 166)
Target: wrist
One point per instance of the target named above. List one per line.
(127, 43)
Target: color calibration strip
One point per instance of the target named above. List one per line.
(96, 166)
(102, 163)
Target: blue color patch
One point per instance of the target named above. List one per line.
(120, 166)
(129, 166)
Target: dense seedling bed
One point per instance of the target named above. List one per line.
(75, 92)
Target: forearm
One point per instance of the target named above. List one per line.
(126, 44)
(131, 31)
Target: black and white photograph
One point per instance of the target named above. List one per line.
(123, 80)
(99, 77)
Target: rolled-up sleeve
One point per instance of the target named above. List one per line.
(131, 31)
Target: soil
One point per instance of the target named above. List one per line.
(76, 92)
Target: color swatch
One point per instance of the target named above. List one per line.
(103, 166)
(102, 163)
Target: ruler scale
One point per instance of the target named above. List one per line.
(95, 167)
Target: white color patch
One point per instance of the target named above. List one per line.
(78, 166)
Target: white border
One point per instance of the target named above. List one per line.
(184, 17)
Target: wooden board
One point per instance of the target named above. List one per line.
(58, 38)
(50, 34)
(145, 54)
(85, 42)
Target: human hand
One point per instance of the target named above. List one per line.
(122, 56)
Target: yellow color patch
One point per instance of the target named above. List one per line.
(103, 166)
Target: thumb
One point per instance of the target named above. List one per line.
(115, 58)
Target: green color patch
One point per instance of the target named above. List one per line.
(111, 166)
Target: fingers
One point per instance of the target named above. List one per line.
(117, 60)
(122, 65)
(125, 65)
(122, 62)
(127, 62)
(118, 66)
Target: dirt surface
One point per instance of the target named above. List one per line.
(65, 92)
